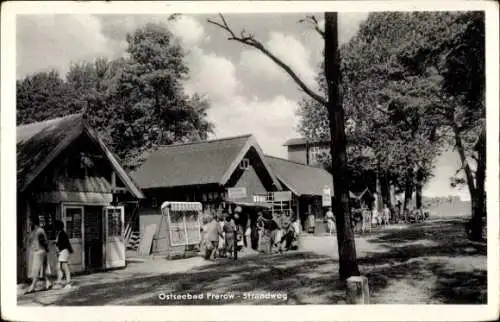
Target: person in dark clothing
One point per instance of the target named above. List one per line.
(229, 235)
(64, 249)
(254, 232)
(288, 232)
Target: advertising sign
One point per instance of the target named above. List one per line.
(236, 193)
(282, 196)
(327, 197)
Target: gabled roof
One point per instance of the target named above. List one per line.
(301, 141)
(38, 144)
(206, 162)
(300, 178)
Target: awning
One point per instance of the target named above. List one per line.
(182, 206)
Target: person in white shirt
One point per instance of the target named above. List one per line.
(330, 221)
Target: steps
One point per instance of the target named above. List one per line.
(134, 241)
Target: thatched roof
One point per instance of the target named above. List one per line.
(200, 163)
(38, 144)
(300, 178)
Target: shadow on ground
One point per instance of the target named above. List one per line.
(304, 277)
(433, 257)
(427, 263)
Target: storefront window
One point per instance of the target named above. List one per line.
(74, 222)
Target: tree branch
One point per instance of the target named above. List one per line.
(249, 40)
(312, 20)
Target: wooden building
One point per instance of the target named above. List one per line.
(66, 172)
(210, 172)
(306, 152)
(306, 184)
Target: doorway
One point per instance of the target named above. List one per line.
(73, 219)
(93, 239)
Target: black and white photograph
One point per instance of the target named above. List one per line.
(182, 158)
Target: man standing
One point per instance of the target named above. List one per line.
(213, 232)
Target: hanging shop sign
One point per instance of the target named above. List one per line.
(327, 197)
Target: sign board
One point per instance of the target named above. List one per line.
(257, 198)
(327, 197)
(282, 196)
(236, 193)
(147, 240)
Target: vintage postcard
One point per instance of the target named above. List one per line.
(247, 161)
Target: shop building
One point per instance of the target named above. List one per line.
(65, 172)
(213, 172)
(307, 185)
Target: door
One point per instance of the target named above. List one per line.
(93, 238)
(72, 216)
(114, 218)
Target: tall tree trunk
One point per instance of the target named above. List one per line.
(408, 191)
(348, 265)
(477, 194)
(386, 191)
(463, 159)
(479, 199)
(418, 187)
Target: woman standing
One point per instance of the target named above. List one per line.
(63, 249)
(39, 248)
(330, 221)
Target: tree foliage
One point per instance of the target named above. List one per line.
(136, 103)
(398, 71)
(332, 102)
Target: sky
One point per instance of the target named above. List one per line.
(247, 91)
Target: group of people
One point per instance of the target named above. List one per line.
(39, 251)
(221, 236)
(226, 234)
(277, 233)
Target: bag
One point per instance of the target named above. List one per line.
(240, 243)
(209, 245)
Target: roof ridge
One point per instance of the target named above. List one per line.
(50, 120)
(205, 141)
(291, 161)
(303, 140)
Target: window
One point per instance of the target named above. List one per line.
(314, 154)
(73, 223)
(114, 222)
(270, 196)
(154, 203)
(244, 164)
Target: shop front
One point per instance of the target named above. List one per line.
(74, 179)
(95, 233)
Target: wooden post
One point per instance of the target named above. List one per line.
(358, 290)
